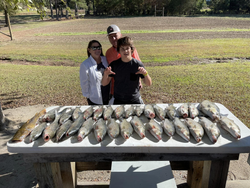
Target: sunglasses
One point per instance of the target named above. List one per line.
(96, 48)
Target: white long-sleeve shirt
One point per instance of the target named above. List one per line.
(90, 79)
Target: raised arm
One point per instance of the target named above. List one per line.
(106, 78)
(147, 79)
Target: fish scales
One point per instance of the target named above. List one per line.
(181, 129)
(113, 128)
(108, 112)
(86, 128)
(171, 111)
(119, 111)
(138, 126)
(193, 111)
(155, 129)
(211, 129)
(159, 112)
(88, 112)
(168, 127)
(126, 129)
(26, 128)
(50, 131)
(100, 130)
(129, 112)
(37, 131)
(195, 129)
(63, 129)
(231, 127)
(149, 111)
(98, 113)
(50, 115)
(75, 126)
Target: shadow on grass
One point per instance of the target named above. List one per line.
(7, 99)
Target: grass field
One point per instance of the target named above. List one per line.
(189, 44)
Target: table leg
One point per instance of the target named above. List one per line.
(195, 172)
(215, 173)
(56, 175)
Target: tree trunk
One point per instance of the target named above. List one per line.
(7, 20)
(67, 14)
(2, 119)
(51, 9)
(57, 12)
(76, 10)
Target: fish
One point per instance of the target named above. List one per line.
(171, 111)
(75, 126)
(210, 109)
(50, 115)
(50, 131)
(65, 115)
(63, 129)
(108, 112)
(139, 110)
(98, 113)
(159, 112)
(113, 128)
(230, 126)
(193, 111)
(149, 111)
(37, 131)
(100, 130)
(138, 126)
(126, 129)
(181, 129)
(183, 110)
(76, 113)
(155, 129)
(168, 127)
(119, 111)
(195, 129)
(88, 112)
(27, 127)
(86, 128)
(211, 129)
(129, 112)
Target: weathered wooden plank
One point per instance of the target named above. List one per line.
(108, 157)
(68, 173)
(48, 175)
(80, 166)
(195, 173)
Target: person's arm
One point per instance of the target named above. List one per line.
(106, 78)
(147, 79)
(84, 81)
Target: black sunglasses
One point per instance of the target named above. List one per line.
(96, 48)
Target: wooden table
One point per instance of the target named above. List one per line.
(207, 163)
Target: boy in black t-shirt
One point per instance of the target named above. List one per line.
(126, 72)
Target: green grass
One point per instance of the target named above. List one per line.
(225, 83)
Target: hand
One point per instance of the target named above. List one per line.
(141, 70)
(108, 71)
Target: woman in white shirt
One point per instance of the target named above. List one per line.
(91, 72)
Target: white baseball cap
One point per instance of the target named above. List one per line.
(113, 29)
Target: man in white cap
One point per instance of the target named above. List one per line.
(114, 34)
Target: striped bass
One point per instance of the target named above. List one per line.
(37, 131)
(113, 128)
(65, 115)
(210, 109)
(183, 110)
(119, 111)
(213, 132)
(108, 112)
(86, 128)
(138, 126)
(27, 127)
(155, 129)
(98, 113)
(193, 111)
(181, 129)
(159, 112)
(100, 130)
(168, 127)
(171, 111)
(230, 126)
(195, 129)
(149, 111)
(50, 115)
(88, 112)
(126, 129)
(129, 112)
(63, 129)
(75, 125)
(76, 113)
(139, 110)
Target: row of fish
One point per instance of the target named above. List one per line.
(69, 121)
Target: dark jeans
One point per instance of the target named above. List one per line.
(137, 101)
(91, 103)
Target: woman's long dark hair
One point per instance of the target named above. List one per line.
(90, 44)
